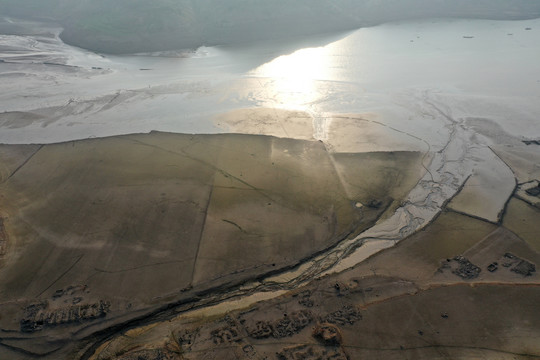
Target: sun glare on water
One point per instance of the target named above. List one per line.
(291, 81)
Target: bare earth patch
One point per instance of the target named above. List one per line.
(101, 232)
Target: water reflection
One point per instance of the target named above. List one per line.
(291, 81)
(384, 70)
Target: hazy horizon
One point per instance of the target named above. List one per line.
(128, 26)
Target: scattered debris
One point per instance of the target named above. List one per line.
(249, 350)
(186, 338)
(70, 291)
(531, 142)
(347, 315)
(341, 288)
(524, 268)
(375, 204)
(38, 316)
(261, 330)
(310, 352)
(517, 264)
(460, 266)
(225, 335)
(493, 267)
(328, 334)
(147, 354)
(288, 325)
(465, 269)
(77, 300)
(444, 315)
(305, 299)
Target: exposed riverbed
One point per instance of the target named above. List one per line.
(410, 118)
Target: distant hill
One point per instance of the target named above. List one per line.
(127, 26)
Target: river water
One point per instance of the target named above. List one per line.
(52, 92)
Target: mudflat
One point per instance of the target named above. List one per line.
(463, 288)
(106, 231)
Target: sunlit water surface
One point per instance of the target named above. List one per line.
(391, 72)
